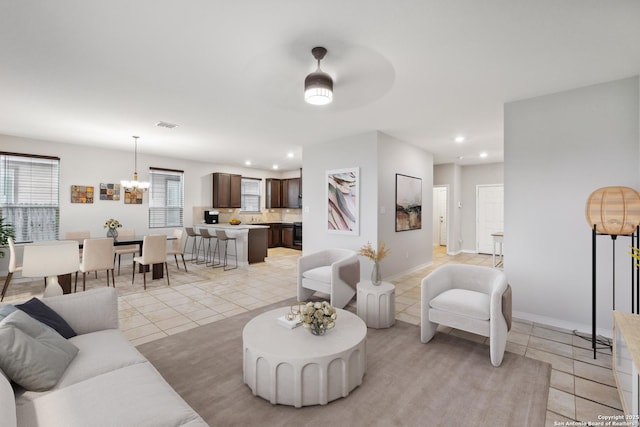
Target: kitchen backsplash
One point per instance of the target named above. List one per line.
(267, 215)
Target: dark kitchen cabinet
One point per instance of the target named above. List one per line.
(291, 193)
(274, 193)
(226, 190)
(287, 235)
(275, 235)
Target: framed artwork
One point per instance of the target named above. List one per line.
(81, 194)
(343, 201)
(109, 191)
(408, 203)
(132, 196)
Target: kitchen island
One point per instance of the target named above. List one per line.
(251, 240)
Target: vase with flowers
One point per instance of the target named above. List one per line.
(376, 256)
(112, 226)
(318, 317)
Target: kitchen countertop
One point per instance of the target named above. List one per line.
(243, 226)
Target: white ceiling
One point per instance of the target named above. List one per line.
(231, 73)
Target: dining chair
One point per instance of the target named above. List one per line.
(177, 247)
(79, 236)
(118, 251)
(13, 266)
(154, 251)
(96, 257)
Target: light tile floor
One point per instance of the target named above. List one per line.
(581, 388)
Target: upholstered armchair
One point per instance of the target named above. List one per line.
(471, 298)
(335, 272)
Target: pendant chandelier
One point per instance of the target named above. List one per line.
(135, 184)
(318, 86)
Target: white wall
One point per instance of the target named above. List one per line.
(413, 248)
(558, 149)
(472, 176)
(379, 157)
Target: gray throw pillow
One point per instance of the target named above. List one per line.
(32, 354)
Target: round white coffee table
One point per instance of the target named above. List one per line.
(376, 305)
(294, 367)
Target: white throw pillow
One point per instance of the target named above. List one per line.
(32, 354)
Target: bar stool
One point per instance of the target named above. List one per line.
(205, 235)
(221, 235)
(192, 233)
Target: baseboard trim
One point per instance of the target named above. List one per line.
(559, 323)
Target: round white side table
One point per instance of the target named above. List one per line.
(376, 304)
(294, 367)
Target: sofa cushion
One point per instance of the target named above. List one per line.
(41, 312)
(319, 274)
(33, 355)
(7, 402)
(462, 301)
(135, 395)
(99, 352)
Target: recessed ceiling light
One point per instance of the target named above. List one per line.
(275, 166)
(484, 155)
(460, 157)
(459, 139)
(290, 155)
(248, 163)
(166, 125)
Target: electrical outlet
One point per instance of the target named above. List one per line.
(406, 255)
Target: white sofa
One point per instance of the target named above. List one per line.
(108, 383)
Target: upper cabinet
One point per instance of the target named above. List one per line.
(274, 193)
(226, 190)
(283, 193)
(291, 193)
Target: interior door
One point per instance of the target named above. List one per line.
(441, 214)
(489, 215)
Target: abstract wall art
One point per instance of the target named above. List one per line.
(81, 194)
(408, 203)
(132, 196)
(109, 191)
(343, 201)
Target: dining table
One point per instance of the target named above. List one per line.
(157, 269)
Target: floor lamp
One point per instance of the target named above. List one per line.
(50, 259)
(613, 211)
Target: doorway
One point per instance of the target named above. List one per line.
(440, 216)
(489, 215)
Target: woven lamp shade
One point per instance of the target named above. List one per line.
(614, 210)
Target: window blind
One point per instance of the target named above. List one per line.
(166, 198)
(30, 195)
(250, 195)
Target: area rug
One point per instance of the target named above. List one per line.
(448, 382)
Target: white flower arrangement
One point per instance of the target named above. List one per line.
(112, 224)
(318, 317)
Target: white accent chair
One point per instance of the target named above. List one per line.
(154, 251)
(13, 266)
(469, 298)
(335, 272)
(96, 257)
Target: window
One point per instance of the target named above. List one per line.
(166, 198)
(250, 195)
(30, 196)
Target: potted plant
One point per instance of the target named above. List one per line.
(6, 231)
